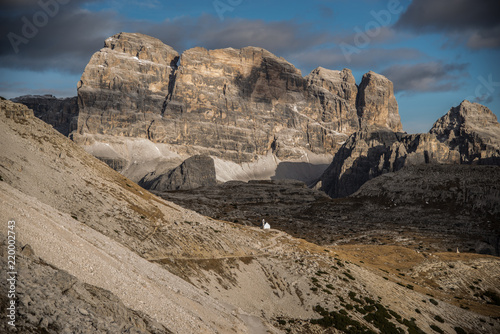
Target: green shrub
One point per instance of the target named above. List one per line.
(433, 301)
(380, 320)
(360, 310)
(369, 308)
(352, 295)
(348, 275)
(369, 300)
(438, 318)
(437, 329)
(394, 314)
(412, 327)
(339, 320)
(460, 330)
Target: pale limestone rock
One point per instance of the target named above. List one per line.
(123, 87)
(377, 104)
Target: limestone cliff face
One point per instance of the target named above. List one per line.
(376, 102)
(246, 102)
(335, 93)
(62, 114)
(473, 130)
(123, 87)
(228, 103)
(375, 151)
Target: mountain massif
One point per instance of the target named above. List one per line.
(144, 109)
(234, 104)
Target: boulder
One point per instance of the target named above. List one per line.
(197, 171)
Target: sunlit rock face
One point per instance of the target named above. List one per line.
(377, 104)
(123, 87)
(233, 104)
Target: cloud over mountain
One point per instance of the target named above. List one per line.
(432, 76)
(475, 23)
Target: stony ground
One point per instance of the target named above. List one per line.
(428, 208)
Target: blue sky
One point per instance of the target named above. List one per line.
(437, 53)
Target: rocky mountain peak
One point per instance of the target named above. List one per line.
(141, 46)
(333, 75)
(377, 150)
(123, 87)
(473, 130)
(376, 102)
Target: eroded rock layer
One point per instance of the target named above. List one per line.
(233, 104)
(197, 171)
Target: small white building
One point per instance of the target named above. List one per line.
(265, 225)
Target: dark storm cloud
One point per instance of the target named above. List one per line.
(62, 37)
(280, 37)
(67, 40)
(9, 8)
(475, 22)
(366, 58)
(426, 77)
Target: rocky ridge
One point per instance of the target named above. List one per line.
(373, 152)
(143, 109)
(467, 134)
(62, 114)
